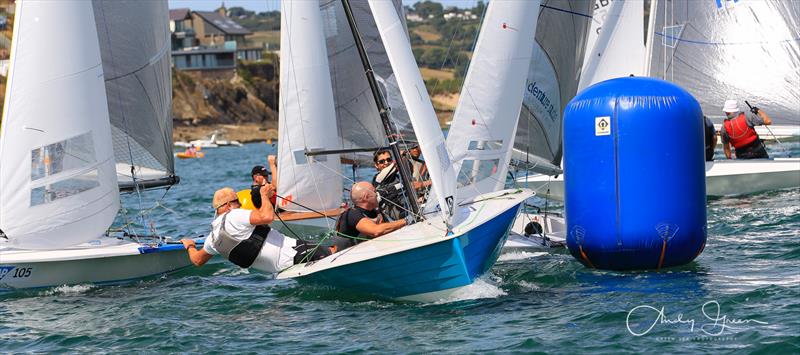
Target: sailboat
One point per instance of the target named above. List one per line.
(317, 134)
(699, 45)
(552, 80)
(450, 245)
(104, 127)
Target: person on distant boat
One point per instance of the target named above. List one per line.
(191, 150)
(245, 238)
(738, 130)
(363, 221)
(710, 138)
(388, 184)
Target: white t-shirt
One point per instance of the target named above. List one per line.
(277, 252)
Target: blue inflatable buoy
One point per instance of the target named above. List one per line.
(634, 174)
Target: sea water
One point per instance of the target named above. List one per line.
(742, 294)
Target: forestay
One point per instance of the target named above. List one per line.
(743, 50)
(58, 185)
(619, 49)
(552, 81)
(482, 133)
(306, 114)
(418, 104)
(356, 112)
(139, 88)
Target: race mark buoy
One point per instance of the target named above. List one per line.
(634, 175)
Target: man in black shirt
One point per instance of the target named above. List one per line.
(362, 221)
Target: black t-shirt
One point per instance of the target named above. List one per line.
(346, 225)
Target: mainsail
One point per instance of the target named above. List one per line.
(58, 185)
(719, 50)
(356, 111)
(481, 136)
(139, 89)
(306, 115)
(552, 81)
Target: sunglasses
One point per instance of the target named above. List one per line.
(229, 202)
(386, 161)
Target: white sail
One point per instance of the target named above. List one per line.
(135, 47)
(552, 81)
(619, 48)
(58, 184)
(356, 110)
(482, 133)
(719, 50)
(418, 103)
(601, 8)
(307, 120)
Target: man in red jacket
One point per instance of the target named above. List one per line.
(738, 130)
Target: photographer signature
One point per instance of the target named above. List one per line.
(717, 324)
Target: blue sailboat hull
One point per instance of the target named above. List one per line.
(446, 265)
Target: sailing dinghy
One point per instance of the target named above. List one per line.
(450, 245)
(107, 112)
(686, 51)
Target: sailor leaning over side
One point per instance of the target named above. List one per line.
(245, 238)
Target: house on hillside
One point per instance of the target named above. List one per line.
(209, 41)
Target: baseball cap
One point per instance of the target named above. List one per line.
(259, 170)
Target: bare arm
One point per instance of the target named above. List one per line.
(374, 230)
(273, 167)
(765, 117)
(197, 257)
(265, 214)
(727, 148)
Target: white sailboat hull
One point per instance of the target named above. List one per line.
(723, 178)
(553, 235)
(110, 261)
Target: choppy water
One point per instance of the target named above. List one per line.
(536, 301)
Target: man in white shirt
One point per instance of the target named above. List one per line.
(244, 237)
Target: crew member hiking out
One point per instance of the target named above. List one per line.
(245, 238)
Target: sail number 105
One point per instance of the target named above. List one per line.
(22, 272)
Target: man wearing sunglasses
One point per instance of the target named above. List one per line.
(389, 186)
(245, 238)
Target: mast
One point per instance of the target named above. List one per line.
(384, 110)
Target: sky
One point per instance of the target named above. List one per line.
(270, 5)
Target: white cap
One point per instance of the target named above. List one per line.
(731, 106)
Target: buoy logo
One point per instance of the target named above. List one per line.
(667, 230)
(602, 126)
(578, 233)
